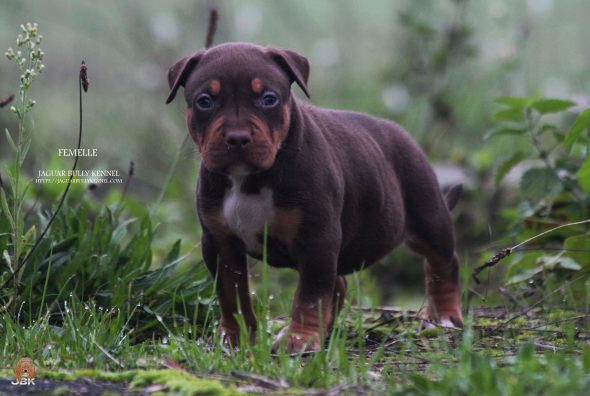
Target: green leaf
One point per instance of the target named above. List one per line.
(511, 114)
(552, 263)
(581, 124)
(503, 132)
(10, 141)
(569, 264)
(584, 175)
(577, 247)
(523, 268)
(4, 203)
(507, 165)
(546, 106)
(513, 101)
(121, 231)
(537, 183)
(174, 252)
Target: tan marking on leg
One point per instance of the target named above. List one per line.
(310, 323)
(441, 276)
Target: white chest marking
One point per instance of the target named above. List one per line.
(246, 214)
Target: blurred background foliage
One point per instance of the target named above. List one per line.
(433, 66)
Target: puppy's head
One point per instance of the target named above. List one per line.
(238, 99)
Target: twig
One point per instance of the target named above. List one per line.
(508, 251)
(554, 348)
(409, 312)
(117, 362)
(82, 81)
(530, 308)
(213, 17)
(169, 175)
(560, 321)
(513, 298)
(260, 381)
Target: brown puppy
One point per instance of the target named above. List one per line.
(336, 190)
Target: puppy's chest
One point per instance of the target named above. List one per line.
(246, 214)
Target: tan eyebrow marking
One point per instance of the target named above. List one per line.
(215, 87)
(256, 85)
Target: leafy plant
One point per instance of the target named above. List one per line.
(30, 63)
(554, 186)
(95, 256)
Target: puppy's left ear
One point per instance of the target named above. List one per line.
(296, 66)
(179, 72)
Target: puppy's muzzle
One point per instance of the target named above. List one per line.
(237, 139)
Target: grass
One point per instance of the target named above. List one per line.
(377, 351)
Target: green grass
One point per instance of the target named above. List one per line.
(98, 297)
(101, 302)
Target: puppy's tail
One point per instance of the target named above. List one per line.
(453, 195)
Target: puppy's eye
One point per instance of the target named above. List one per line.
(269, 100)
(204, 102)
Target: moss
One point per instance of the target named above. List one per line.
(176, 381)
(61, 375)
(119, 376)
(431, 332)
(181, 383)
(61, 390)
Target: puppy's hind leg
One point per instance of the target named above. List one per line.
(431, 235)
(442, 286)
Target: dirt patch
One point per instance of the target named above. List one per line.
(81, 386)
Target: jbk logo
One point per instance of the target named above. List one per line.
(24, 381)
(25, 372)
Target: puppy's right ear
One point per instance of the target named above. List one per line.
(179, 72)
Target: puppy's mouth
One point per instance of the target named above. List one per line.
(240, 170)
(239, 150)
(239, 162)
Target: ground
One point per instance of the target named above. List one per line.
(499, 350)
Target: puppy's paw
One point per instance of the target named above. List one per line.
(296, 340)
(230, 336)
(451, 319)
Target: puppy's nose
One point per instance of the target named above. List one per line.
(237, 138)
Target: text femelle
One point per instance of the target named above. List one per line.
(82, 152)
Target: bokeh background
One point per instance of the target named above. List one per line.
(433, 66)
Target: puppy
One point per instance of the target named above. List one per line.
(333, 191)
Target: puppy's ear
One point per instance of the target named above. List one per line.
(179, 72)
(296, 66)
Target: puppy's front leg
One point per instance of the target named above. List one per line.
(312, 313)
(230, 269)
